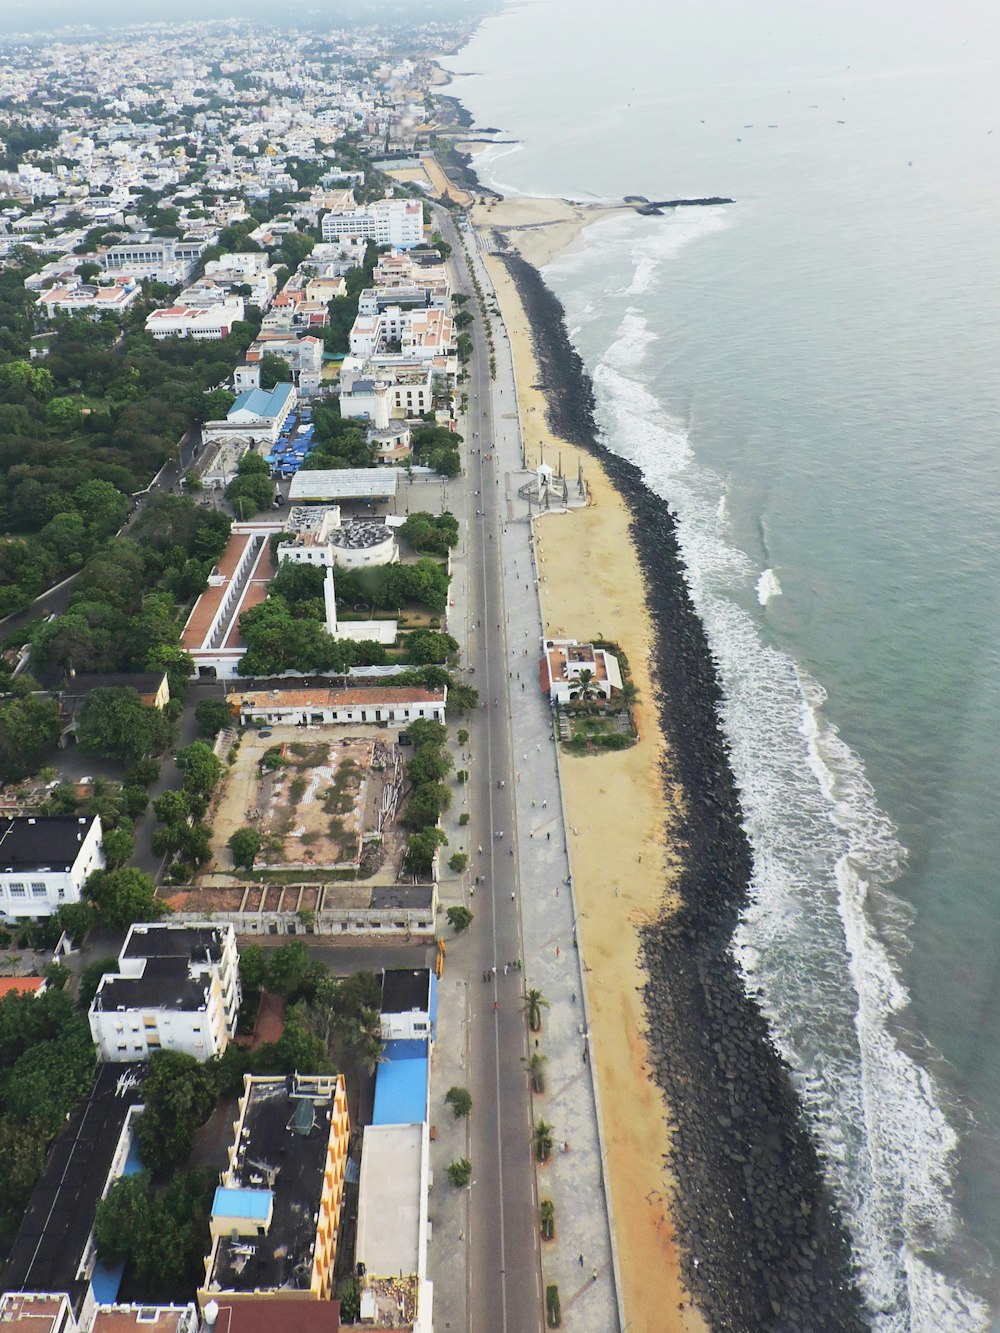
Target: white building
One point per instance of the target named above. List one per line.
(409, 1005)
(45, 861)
(208, 322)
(395, 1180)
(565, 660)
(306, 707)
(316, 536)
(176, 989)
(303, 355)
(88, 299)
(161, 258)
(398, 222)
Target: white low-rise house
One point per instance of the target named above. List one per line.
(176, 989)
(409, 1005)
(88, 299)
(397, 222)
(572, 670)
(45, 861)
(208, 322)
(306, 707)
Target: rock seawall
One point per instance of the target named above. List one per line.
(763, 1245)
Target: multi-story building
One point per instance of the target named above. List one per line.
(176, 989)
(161, 258)
(256, 417)
(303, 355)
(398, 222)
(88, 299)
(45, 861)
(275, 1220)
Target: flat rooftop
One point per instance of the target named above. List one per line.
(33, 1313)
(401, 1084)
(276, 1155)
(344, 484)
(406, 989)
(389, 1198)
(41, 842)
(145, 1319)
(329, 698)
(270, 1314)
(196, 944)
(49, 1246)
(165, 984)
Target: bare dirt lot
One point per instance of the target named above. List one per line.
(322, 798)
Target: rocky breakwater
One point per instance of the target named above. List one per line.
(763, 1245)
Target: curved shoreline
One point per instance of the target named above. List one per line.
(761, 1241)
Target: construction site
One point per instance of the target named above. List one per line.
(323, 803)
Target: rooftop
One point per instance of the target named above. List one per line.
(49, 1246)
(344, 484)
(34, 1313)
(143, 682)
(328, 698)
(401, 1084)
(390, 1188)
(262, 402)
(404, 990)
(42, 842)
(144, 1319)
(271, 1315)
(277, 1154)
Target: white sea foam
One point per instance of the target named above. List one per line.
(806, 943)
(768, 586)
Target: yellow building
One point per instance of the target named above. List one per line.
(276, 1214)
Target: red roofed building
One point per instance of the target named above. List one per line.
(570, 670)
(304, 707)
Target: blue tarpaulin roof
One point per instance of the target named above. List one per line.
(105, 1282)
(401, 1084)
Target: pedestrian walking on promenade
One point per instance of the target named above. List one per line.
(513, 895)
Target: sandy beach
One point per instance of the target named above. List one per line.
(540, 228)
(621, 882)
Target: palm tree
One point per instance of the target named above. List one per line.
(543, 1141)
(534, 1003)
(535, 1065)
(586, 684)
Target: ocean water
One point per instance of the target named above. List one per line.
(811, 379)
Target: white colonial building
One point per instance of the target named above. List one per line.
(306, 707)
(176, 989)
(209, 322)
(45, 861)
(564, 662)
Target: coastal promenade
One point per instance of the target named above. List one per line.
(486, 1260)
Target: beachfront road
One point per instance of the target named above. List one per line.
(504, 1273)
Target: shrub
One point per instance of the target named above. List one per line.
(547, 1219)
(457, 862)
(460, 1101)
(459, 918)
(460, 1172)
(553, 1316)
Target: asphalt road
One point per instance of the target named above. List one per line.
(504, 1276)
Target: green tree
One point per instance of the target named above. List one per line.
(458, 862)
(22, 1150)
(535, 1064)
(178, 1095)
(77, 920)
(124, 896)
(429, 764)
(172, 807)
(244, 844)
(116, 724)
(427, 804)
(287, 968)
(159, 1231)
(274, 370)
(459, 918)
(29, 727)
(201, 768)
(421, 848)
(426, 646)
(460, 1101)
(118, 847)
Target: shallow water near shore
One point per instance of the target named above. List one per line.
(809, 378)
